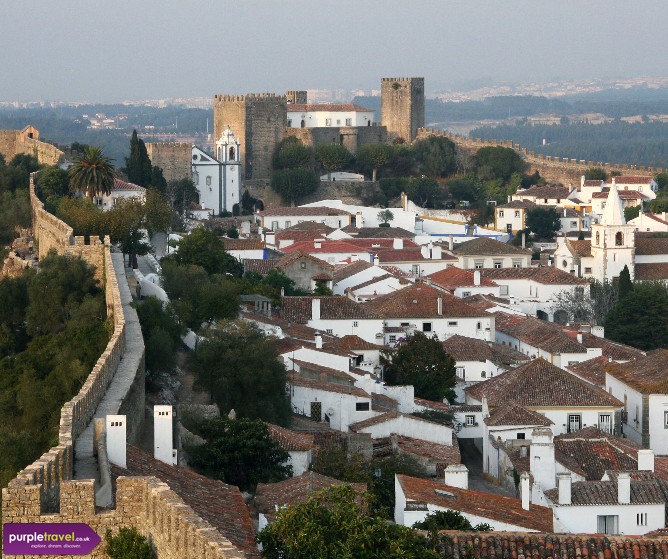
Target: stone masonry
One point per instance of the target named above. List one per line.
(174, 158)
(26, 141)
(402, 107)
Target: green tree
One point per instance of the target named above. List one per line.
(15, 212)
(372, 157)
(596, 174)
(662, 180)
(180, 194)
(138, 165)
(423, 362)
(497, 163)
(291, 153)
(53, 182)
(294, 184)
(449, 520)
(157, 212)
(158, 180)
(332, 157)
(543, 222)
(385, 216)
(424, 191)
(333, 524)
(125, 221)
(128, 544)
(631, 212)
(640, 319)
(203, 247)
(232, 233)
(435, 156)
(239, 366)
(625, 283)
(83, 216)
(466, 188)
(239, 452)
(92, 173)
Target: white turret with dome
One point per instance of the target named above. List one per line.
(227, 147)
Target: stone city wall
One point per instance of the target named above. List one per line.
(13, 142)
(351, 137)
(553, 169)
(174, 158)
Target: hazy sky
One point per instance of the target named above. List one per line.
(136, 49)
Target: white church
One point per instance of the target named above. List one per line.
(218, 180)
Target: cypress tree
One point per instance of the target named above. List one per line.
(625, 283)
(138, 165)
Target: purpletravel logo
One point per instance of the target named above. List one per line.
(48, 539)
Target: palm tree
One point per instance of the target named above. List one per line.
(92, 173)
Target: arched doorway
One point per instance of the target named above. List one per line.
(542, 315)
(236, 210)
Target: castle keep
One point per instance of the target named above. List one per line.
(402, 107)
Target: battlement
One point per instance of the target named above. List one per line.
(250, 96)
(400, 79)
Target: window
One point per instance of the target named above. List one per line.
(393, 339)
(497, 264)
(302, 265)
(574, 423)
(355, 324)
(452, 323)
(426, 326)
(329, 331)
(338, 122)
(274, 225)
(478, 326)
(500, 213)
(587, 270)
(608, 524)
(564, 264)
(619, 239)
(466, 293)
(288, 224)
(328, 122)
(579, 291)
(574, 223)
(483, 374)
(470, 420)
(460, 372)
(349, 122)
(641, 519)
(605, 422)
(517, 263)
(208, 181)
(665, 419)
(361, 406)
(504, 290)
(416, 269)
(517, 213)
(289, 123)
(521, 436)
(478, 265)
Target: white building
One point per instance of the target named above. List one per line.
(282, 218)
(120, 191)
(655, 223)
(484, 252)
(218, 180)
(326, 115)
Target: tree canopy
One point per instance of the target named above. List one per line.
(92, 173)
(372, 157)
(497, 162)
(422, 362)
(332, 157)
(435, 156)
(239, 452)
(449, 520)
(291, 153)
(294, 184)
(333, 524)
(203, 247)
(239, 366)
(138, 165)
(542, 222)
(596, 174)
(128, 544)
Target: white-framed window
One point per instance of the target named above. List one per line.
(338, 122)
(329, 331)
(416, 269)
(355, 323)
(504, 290)
(393, 338)
(349, 122)
(460, 372)
(574, 424)
(274, 225)
(470, 420)
(498, 264)
(426, 326)
(361, 406)
(289, 123)
(328, 122)
(641, 519)
(608, 524)
(500, 213)
(587, 270)
(517, 263)
(452, 323)
(208, 180)
(665, 419)
(605, 422)
(517, 213)
(288, 224)
(478, 265)
(466, 293)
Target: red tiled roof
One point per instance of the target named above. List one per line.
(258, 266)
(461, 348)
(216, 502)
(290, 440)
(327, 107)
(452, 278)
(289, 259)
(308, 211)
(544, 275)
(592, 370)
(127, 186)
(544, 192)
(513, 204)
(632, 179)
(375, 420)
(326, 246)
(514, 414)
(378, 232)
(623, 194)
(326, 373)
(299, 236)
(432, 405)
(645, 374)
(605, 492)
(613, 350)
(243, 244)
(539, 384)
(651, 244)
(299, 309)
(479, 503)
(656, 218)
(304, 226)
(420, 301)
(404, 255)
(380, 244)
(345, 271)
(442, 454)
(298, 380)
(537, 333)
(651, 271)
(579, 248)
(352, 342)
(487, 246)
(594, 183)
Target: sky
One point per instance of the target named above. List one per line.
(113, 50)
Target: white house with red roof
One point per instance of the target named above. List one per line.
(464, 283)
(120, 191)
(283, 218)
(324, 115)
(647, 221)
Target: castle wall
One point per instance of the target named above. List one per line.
(258, 121)
(553, 169)
(13, 142)
(351, 137)
(174, 158)
(402, 106)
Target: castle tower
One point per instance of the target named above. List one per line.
(299, 97)
(612, 240)
(259, 122)
(402, 107)
(228, 153)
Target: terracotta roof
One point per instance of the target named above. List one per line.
(322, 276)
(613, 350)
(299, 236)
(594, 183)
(327, 373)
(378, 232)
(650, 244)
(404, 255)
(295, 490)
(632, 179)
(326, 246)
(645, 374)
(656, 218)
(326, 107)
(466, 408)
(548, 546)
(623, 194)
(367, 283)
(353, 343)
(216, 502)
(432, 405)
(545, 275)
(290, 440)
(590, 453)
(243, 244)
(298, 380)
(537, 333)
(487, 246)
(289, 259)
(420, 301)
(479, 503)
(258, 266)
(442, 454)
(126, 186)
(544, 192)
(305, 226)
(461, 348)
(514, 414)
(579, 248)
(396, 272)
(605, 493)
(307, 211)
(380, 244)
(375, 420)
(652, 271)
(592, 370)
(299, 309)
(516, 204)
(452, 278)
(345, 271)
(539, 384)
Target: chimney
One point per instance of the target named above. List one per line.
(376, 260)
(318, 340)
(457, 475)
(525, 490)
(579, 336)
(564, 212)
(245, 228)
(315, 309)
(646, 460)
(439, 305)
(623, 484)
(476, 277)
(541, 456)
(564, 482)
(485, 407)
(398, 244)
(115, 426)
(359, 220)
(509, 198)
(282, 292)
(451, 243)
(317, 243)
(163, 434)
(524, 239)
